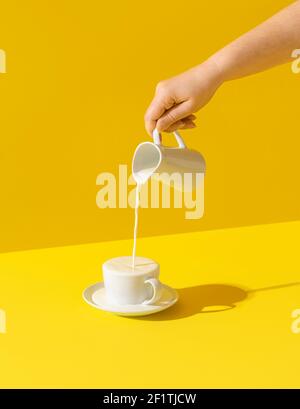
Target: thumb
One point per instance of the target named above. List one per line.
(173, 115)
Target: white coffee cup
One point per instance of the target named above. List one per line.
(154, 159)
(125, 285)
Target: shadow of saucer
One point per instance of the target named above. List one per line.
(207, 298)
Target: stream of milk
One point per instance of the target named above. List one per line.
(141, 177)
(136, 222)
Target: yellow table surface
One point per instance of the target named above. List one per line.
(231, 328)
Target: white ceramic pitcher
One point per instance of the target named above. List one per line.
(154, 159)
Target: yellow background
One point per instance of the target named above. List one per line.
(79, 78)
(248, 276)
(80, 75)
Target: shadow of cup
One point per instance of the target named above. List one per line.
(207, 298)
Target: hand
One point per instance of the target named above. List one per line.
(178, 98)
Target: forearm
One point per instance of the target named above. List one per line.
(267, 45)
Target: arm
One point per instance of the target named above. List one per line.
(267, 45)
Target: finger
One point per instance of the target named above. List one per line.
(189, 125)
(177, 125)
(159, 105)
(188, 120)
(189, 117)
(173, 115)
(181, 125)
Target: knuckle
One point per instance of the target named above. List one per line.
(166, 121)
(160, 124)
(161, 87)
(191, 104)
(170, 117)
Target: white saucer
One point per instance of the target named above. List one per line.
(96, 297)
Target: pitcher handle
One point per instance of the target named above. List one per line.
(156, 138)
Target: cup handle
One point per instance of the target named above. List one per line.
(157, 288)
(180, 141)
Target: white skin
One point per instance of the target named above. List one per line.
(267, 45)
